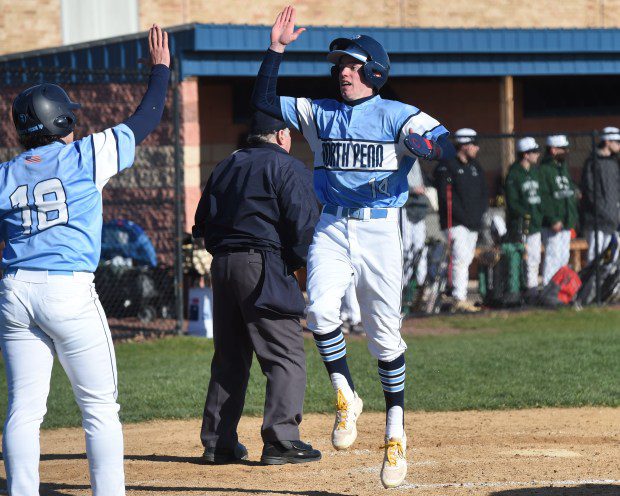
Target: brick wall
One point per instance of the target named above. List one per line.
(29, 25)
(393, 13)
(33, 24)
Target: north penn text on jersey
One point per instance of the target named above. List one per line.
(352, 155)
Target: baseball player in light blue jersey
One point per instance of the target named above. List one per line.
(50, 222)
(363, 148)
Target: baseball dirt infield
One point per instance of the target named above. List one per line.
(543, 452)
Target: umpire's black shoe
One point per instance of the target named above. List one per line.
(219, 456)
(281, 452)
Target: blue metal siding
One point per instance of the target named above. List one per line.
(234, 50)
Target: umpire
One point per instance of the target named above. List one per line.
(257, 215)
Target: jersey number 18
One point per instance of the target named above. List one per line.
(50, 202)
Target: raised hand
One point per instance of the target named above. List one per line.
(158, 46)
(283, 31)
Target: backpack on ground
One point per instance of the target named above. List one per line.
(561, 289)
(500, 275)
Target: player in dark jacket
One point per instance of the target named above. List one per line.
(257, 216)
(558, 193)
(602, 221)
(468, 203)
(523, 205)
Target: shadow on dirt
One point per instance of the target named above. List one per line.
(584, 490)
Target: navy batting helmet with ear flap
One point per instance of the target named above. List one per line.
(44, 109)
(367, 50)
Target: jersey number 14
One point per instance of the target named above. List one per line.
(381, 187)
(50, 203)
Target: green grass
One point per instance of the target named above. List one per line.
(537, 359)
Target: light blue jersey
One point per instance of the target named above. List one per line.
(50, 201)
(360, 159)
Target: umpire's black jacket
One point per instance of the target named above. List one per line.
(470, 196)
(262, 198)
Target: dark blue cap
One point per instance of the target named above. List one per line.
(263, 123)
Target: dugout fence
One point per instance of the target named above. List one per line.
(139, 278)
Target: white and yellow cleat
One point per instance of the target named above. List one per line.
(394, 468)
(345, 426)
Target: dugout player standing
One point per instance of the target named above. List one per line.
(50, 220)
(257, 214)
(559, 205)
(360, 176)
(606, 189)
(524, 209)
(466, 202)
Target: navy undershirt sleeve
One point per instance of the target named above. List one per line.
(148, 114)
(264, 96)
(447, 148)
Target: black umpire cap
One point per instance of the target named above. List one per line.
(263, 123)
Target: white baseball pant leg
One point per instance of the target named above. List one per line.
(350, 308)
(557, 252)
(463, 250)
(603, 241)
(60, 314)
(371, 251)
(329, 273)
(532, 243)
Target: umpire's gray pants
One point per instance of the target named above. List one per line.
(239, 329)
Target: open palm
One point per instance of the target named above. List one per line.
(283, 31)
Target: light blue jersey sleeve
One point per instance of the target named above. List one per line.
(288, 105)
(110, 152)
(412, 119)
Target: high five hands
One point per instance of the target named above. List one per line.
(283, 31)
(158, 46)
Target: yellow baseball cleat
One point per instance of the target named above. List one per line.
(394, 468)
(345, 426)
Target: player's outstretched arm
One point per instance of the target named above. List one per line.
(283, 33)
(148, 114)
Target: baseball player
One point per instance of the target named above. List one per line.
(463, 200)
(50, 220)
(360, 176)
(523, 207)
(602, 222)
(559, 205)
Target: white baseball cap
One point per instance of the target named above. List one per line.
(610, 133)
(558, 141)
(465, 136)
(527, 144)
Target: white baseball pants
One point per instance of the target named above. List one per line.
(557, 252)
(42, 315)
(369, 252)
(350, 308)
(532, 244)
(603, 241)
(463, 249)
(414, 239)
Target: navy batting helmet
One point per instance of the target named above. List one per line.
(367, 50)
(45, 110)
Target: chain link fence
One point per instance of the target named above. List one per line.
(497, 273)
(139, 275)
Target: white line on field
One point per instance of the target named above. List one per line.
(509, 484)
